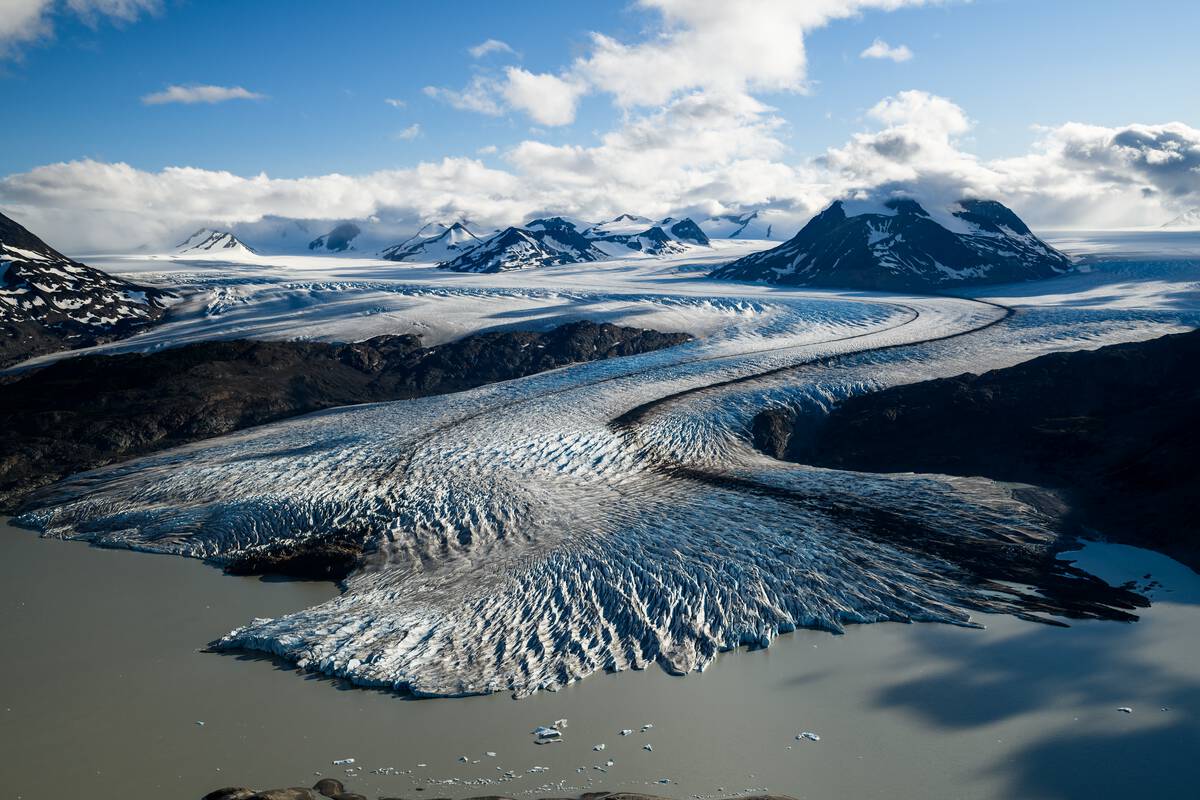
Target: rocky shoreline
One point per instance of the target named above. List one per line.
(331, 789)
(89, 411)
(1111, 430)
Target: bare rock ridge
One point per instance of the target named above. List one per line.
(1113, 428)
(50, 302)
(898, 246)
(88, 411)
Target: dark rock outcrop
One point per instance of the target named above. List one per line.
(49, 302)
(337, 240)
(84, 412)
(334, 790)
(1114, 429)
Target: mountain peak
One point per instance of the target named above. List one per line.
(434, 242)
(900, 244)
(211, 240)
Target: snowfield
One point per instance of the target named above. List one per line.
(608, 515)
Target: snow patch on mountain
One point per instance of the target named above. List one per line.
(210, 240)
(646, 236)
(433, 243)
(62, 303)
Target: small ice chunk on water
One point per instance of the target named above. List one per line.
(200, 722)
(341, 762)
(812, 737)
(599, 747)
(490, 754)
(647, 726)
(1125, 709)
(545, 732)
(626, 731)
(648, 748)
(609, 763)
(463, 759)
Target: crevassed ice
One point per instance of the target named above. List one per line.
(526, 534)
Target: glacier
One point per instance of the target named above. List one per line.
(612, 515)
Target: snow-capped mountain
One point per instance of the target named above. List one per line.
(337, 240)
(51, 302)
(542, 243)
(558, 240)
(1189, 219)
(434, 243)
(208, 240)
(749, 225)
(644, 235)
(897, 245)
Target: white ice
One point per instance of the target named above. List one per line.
(607, 515)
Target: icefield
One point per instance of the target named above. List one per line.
(608, 515)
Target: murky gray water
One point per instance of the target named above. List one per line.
(103, 685)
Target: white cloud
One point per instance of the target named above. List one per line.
(713, 46)
(410, 133)
(481, 95)
(699, 154)
(24, 22)
(394, 103)
(487, 150)
(881, 49)
(200, 94)
(547, 99)
(490, 46)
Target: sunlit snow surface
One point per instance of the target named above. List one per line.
(606, 515)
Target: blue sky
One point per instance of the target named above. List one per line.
(325, 71)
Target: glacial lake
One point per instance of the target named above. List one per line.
(104, 684)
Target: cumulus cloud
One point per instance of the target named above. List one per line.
(394, 103)
(547, 99)
(200, 94)
(882, 50)
(712, 46)
(490, 46)
(699, 154)
(24, 22)
(409, 133)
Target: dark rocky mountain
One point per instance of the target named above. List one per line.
(434, 243)
(641, 234)
(1114, 429)
(210, 240)
(50, 302)
(900, 246)
(337, 240)
(83, 412)
(542, 243)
